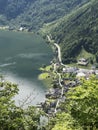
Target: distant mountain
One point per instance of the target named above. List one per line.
(35, 13)
(77, 32)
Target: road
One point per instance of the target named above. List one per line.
(59, 51)
(59, 75)
(58, 48)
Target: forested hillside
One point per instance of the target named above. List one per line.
(34, 13)
(77, 31)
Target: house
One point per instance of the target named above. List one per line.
(81, 74)
(70, 70)
(21, 29)
(82, 61)
(64, 70)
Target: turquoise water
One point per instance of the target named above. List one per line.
(21, 55)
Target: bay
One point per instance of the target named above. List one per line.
(21, 56)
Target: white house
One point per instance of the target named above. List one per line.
(82, 61)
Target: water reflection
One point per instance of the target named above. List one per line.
(30, 93)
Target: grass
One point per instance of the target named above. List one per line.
(46, 79)
(47, 68)
(85, 54)
(80, 66)
(43, 76)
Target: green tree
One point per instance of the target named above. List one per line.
(97, 56)
(13, 117)
(83, 103)
(80, 110)
(65, 121)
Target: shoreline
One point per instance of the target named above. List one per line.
(7, 28)
(45, 76)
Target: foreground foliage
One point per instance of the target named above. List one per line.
(83, 104)
(80, 111)
(13, 117)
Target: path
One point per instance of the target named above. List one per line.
(59, 75)
(62, 92)
(58, 48)
(59, 51)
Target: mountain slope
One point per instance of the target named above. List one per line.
(34, 13)
(77, 31)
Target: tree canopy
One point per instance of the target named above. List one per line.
(13, 117)
(80, 110)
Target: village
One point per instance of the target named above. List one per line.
(21, 28)
(64, 77)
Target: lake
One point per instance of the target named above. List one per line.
(21, 56)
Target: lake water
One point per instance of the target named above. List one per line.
(21, 55)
